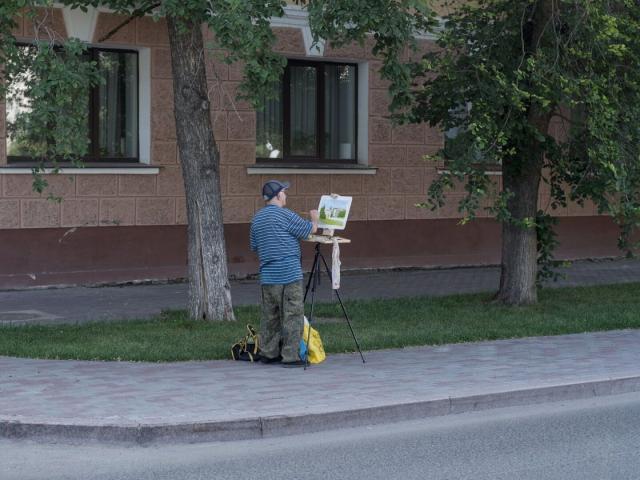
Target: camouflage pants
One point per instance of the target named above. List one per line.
(282, 321)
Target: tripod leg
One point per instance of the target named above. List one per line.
(344, 311)
(311, 273)
(315, 273)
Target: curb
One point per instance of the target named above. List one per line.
(282, 425)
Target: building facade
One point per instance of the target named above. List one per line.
(123, 216)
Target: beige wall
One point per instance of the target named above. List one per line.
(401, 180)
(107, 199)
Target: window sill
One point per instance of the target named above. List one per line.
(444, 171)
(310, 169)
(89, 169)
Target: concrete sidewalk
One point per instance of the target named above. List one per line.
(81, 304)
(225, 400)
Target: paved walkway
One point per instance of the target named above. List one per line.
(139, 301)
(222, 400)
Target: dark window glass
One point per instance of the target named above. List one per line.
(313, 117)
(340, 112)
(458, 138)
(112, 110)
(18, 143)
(118, 105)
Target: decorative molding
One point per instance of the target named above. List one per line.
(297, 17)
(316, 50)
(79, 24)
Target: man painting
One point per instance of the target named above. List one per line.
(275, 235)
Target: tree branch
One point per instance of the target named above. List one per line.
(140, 12)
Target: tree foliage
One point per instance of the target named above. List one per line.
(45, 80)
(574, 63)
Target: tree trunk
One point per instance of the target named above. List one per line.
(521, 177)
(519, 244)
(209, 289)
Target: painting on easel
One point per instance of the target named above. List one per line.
(334, 212)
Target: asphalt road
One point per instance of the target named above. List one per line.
(80, 304)
(587, 439)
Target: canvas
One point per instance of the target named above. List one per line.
(334, 211)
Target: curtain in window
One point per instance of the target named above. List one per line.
(340, 112)
(269, 142)
(303, 111)
(118, 105)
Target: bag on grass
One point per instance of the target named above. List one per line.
(315, 347)
(247, 348)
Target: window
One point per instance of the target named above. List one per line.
(112, 111)
(313, 116)
(455, 136)
(459, 142)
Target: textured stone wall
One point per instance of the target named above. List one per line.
(107, 199)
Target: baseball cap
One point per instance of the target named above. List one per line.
(272, 188)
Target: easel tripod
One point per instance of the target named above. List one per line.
(313, 282)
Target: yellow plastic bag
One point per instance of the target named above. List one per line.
(315, 348)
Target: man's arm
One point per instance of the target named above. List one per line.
(299, 227)
(314, 220)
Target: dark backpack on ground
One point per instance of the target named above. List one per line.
(248, 348)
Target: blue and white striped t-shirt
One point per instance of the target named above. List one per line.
(275, 235)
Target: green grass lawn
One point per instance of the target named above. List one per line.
(378, 324)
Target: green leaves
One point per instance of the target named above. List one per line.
(554, 81)
(243, 29)
(388, 27)
(44, 85)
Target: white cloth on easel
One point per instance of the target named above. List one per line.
(335, 265)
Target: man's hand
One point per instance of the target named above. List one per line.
(314, 219)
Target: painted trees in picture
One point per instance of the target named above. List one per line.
(334, 211)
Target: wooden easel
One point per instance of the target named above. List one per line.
(326, 239)
(314, 281)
